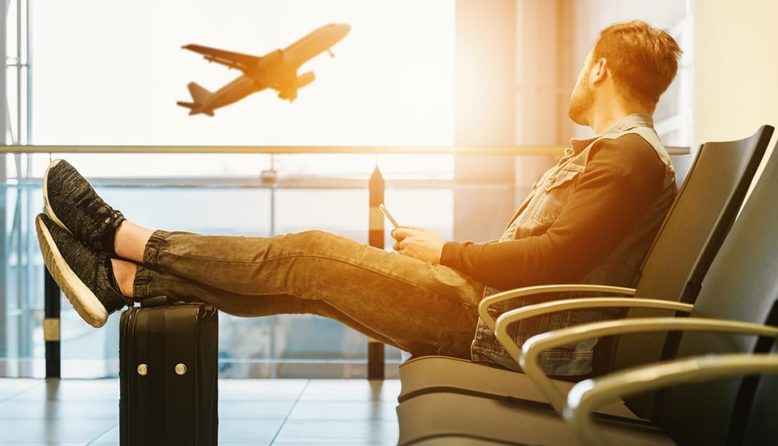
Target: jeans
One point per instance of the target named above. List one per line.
(413, 305)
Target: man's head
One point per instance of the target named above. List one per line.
(632, 63)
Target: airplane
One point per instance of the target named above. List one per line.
(276, 70)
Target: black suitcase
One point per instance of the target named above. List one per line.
(168, 370)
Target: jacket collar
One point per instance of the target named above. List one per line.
(624, 124)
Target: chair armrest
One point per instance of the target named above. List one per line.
(528, 292)
(587, 396)
(528, 358)
(519, 314)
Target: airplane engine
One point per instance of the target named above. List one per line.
(290, 92)
(304, 79)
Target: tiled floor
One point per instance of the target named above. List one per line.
(251, 412)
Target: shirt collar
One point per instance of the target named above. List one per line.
(624, 124)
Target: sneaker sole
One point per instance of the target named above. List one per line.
(84, 301)
(46, 205)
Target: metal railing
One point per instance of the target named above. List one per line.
(442, 150)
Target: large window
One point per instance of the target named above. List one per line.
(110, 73)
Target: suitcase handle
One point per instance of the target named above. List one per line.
(156, 301)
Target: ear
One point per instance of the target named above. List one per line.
(599, 71)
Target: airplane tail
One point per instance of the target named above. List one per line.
(200, 96)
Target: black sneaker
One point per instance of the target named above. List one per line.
(84, 275)
(73, 204)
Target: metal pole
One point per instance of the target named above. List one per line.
(375, 349)
(28, 52)
(51, 292)
(19, 64)
(3, 260)
(3, 249)
(51, 326)
(3, 71)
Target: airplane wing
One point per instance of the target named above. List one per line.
(228, 58)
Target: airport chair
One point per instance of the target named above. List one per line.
(758, 425)
(738, 294)
(752, 424)
(692, 232)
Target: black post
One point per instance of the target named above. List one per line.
(375, 349)
(51, 327)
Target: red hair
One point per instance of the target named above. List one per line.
(642, 59)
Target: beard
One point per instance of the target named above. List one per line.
(581, 102)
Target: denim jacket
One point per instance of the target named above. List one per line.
(537, 212)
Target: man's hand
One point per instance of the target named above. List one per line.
(418, 243)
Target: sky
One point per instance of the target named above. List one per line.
(110, 72)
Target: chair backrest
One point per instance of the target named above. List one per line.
(759, 426)
(682, 164)
(701, 215)
(691, 234)
(741, 284)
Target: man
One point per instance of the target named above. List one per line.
(591, 218)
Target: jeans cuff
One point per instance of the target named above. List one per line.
(157, 240)
(140, 287)
(143, 275)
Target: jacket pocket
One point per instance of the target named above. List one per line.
(554, 194)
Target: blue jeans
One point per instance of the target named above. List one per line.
(418, 307)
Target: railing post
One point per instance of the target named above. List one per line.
(3, 254)
(51, 326)
(375, 349)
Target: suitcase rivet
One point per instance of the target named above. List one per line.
(180, 369)
(143, 370)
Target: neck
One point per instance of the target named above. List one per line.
(603, 117)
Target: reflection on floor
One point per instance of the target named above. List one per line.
(251, 412)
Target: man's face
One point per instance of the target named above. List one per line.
(582, 99)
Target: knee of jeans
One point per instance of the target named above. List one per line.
(310, 237)
(313, 240)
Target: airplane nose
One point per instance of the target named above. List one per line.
(345, 29)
